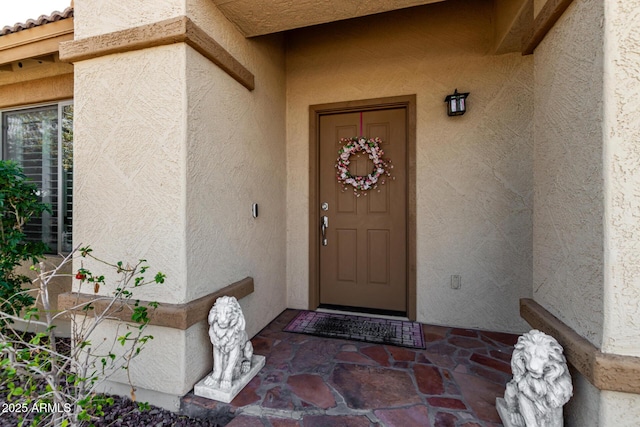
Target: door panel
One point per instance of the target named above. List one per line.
(346, 242)
(378, 261)
(364, 261)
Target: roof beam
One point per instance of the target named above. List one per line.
(35, 42)
(546, 19)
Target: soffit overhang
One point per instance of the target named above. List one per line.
(260, 17)
(40, 43)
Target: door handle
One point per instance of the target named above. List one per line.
(323, 227)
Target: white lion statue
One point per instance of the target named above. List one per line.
(232, 350)
(541, 383)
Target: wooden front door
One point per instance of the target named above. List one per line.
(364, 261)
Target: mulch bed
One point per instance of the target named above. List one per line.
(123, 413)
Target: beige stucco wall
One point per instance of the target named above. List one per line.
(621, 134)
(619, 410)
(235, 157)
(194, 152)
(622, 177)
(586, 180)
(167, 367)
(568, 234)
(474, 173)
(171, 169)
(130, 162)
(513, 18)
(94, 17)
(583, 410)
(537, 6)
(568, 230)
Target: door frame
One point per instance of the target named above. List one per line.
(315, 111)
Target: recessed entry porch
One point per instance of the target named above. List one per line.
(312, 381)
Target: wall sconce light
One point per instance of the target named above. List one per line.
(456, 105)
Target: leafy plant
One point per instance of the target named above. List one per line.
(18, 204)
(57, 386)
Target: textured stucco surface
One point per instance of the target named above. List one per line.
(257, 17)
(474, 172)
(568, 235)
(586, 178)
(184, 163)
(512, 20)
(129, 162)
(619, 409)
(236, 146)
(622, 177)
(95, 17)
(583, 409)
(537, 6)
(171, 167)
(169, 364)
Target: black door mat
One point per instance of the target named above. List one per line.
(358, 328)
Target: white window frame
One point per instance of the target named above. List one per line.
(61, 197)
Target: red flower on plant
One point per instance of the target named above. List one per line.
(80, 276)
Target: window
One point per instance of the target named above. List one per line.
(40, 139)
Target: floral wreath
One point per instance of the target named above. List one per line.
(381, 167)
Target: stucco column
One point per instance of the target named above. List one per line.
(586, 177)
(129, 155)
(621, 329)
(172, 147)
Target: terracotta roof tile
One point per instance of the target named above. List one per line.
(43, 19)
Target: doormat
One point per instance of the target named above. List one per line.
(358, 328)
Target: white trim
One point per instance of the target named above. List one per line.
(61, 199)
(38, 105)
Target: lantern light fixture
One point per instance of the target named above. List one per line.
(456, 103)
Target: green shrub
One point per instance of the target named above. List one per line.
(46, 382)
(18, 204)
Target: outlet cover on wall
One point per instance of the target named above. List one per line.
(456, 281)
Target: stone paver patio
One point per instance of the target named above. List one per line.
(310, 381)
